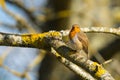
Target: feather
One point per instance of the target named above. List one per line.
(84, 40)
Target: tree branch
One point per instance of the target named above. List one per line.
(115, 31)
(92, 67)
(54, 39)
(28, 40)
(78, 70)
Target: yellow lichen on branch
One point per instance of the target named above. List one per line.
(29, 40)
(38, 40)
(97, 69)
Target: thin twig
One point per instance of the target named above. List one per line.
(115, 31)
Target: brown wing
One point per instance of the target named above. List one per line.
(83, 38)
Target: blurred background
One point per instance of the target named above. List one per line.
(35, 16)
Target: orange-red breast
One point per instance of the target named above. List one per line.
(78, 39)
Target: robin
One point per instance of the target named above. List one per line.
(78, 39)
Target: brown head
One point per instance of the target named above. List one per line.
(75, 29)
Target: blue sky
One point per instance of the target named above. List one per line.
(18, 58)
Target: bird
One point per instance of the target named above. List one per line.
(78, 40)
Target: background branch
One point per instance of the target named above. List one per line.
(28, 11)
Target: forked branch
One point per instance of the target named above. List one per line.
(54, 39)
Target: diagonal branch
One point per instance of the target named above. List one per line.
(21, 22)
(78, 70)
(28, 11)
(92, 67)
